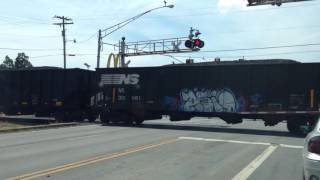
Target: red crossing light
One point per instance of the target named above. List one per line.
(194, 44)
(198, 43)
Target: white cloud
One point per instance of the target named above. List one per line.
(225, 5)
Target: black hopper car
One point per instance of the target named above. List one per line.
(66, 95)
(273, 91)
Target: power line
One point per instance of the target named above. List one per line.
(250, 49)
(271, 29)
(26, 38)
(28, 35)
(183, 15)
(256, 55)
(127, 12)
(263, 48)
(49, 55)
(32, 20)
(88, 39)
(225, 50)
(21, 22)
(235, 56)
(22, 49)
(26, 19)
(172, 57)
(196, 57)
(187, 12)
(284, 53)
(227, 32)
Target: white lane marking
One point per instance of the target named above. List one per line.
(222, 140)
(291, 146)
(253, 165)
(242, 142)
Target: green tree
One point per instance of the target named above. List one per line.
(22, 61)
(7, 63)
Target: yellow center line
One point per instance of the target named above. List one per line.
(74, 165)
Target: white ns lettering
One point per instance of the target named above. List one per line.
(132, 79)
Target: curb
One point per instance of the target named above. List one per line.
(27, 120)
(52, 126)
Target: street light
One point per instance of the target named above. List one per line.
(118, 26)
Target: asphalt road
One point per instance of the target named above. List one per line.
(196, 149)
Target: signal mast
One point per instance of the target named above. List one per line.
(271, 2)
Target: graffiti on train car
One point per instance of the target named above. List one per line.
(211, 100)
(206, 100)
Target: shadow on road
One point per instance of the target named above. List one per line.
(219, 129)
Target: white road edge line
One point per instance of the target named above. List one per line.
(241, 142)
(222, 140)
(291, 146)
(253, 165)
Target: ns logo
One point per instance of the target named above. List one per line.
(119, 79)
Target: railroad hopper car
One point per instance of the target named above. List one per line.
(48, 92)
(272, 92)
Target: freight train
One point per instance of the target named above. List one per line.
(48, 92)
(272, 90)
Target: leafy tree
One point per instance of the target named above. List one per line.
(7, 63)
(22, 61)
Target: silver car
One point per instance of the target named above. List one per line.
(311, 154)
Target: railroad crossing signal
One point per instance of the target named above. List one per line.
(160, 46)
(194, 42)
(155, 47)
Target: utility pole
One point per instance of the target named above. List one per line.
(122, 52)
(99, 48)
(65, 21)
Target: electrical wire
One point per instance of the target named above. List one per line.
(50, 55)
(215, 51)
(190, 12)
(175, 57)
(251, 49)
(182, 15)
(88, 39)
(28, 35)
(287, 28)
(235, 56)
(21, 49)
(172, 57)
(29, 20)
(262, 48)
(256, 55)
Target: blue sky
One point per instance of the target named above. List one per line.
(225, 24)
